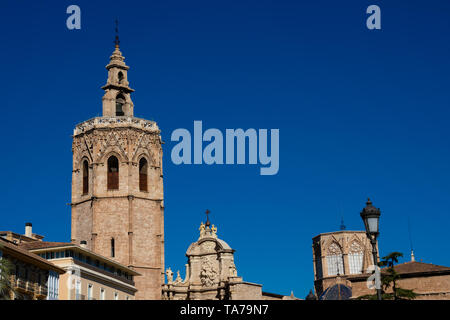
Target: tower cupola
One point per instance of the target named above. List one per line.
(117, 98)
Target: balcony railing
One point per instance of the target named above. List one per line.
(31, 286)
(21, 284)
(43, 290)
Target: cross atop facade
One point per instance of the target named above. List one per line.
(207, 218)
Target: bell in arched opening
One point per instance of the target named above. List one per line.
(120, 102)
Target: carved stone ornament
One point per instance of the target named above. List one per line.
(334, 249)
(233, 271)
(355, 247)
(202, 229)
(178, 279)
(208, 246)
(169, 275)
(208, 274)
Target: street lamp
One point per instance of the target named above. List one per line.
(371, 218)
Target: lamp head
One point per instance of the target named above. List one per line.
(371, 218)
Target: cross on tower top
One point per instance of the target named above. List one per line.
(116, 41)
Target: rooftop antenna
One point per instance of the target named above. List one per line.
(342, 226)
(410, 240)
(342, 223)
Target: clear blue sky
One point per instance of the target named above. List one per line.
(361, 113)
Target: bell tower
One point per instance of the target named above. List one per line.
(117, 184)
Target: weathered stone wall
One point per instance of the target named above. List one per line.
(81, 222)
(246, 291)
(147, 232)
(111, 222)
(149, 284)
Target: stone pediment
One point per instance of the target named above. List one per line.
(207, 246)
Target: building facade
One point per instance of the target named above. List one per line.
(32, 277)
(117, 184)
(88, 276)
(428, 281)
(18, 238)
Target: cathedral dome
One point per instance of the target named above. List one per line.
(337, 292)
(223, 244)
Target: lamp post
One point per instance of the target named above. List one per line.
(371, 218)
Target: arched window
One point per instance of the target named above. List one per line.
(355, 258)
(335, 261)
(120, 101)
(318, 258)
(85, 177)
(143, 167)
(113, 173)
(113, 249)
(120, 76)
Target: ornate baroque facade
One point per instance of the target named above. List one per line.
(117, 184)
(211, 274)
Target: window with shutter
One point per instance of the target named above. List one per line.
(85, 177)
(143, 168)
(113, 173)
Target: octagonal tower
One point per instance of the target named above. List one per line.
(117, 184)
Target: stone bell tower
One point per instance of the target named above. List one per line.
(117, 184)
(117, 98)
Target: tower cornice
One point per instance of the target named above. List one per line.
(116, 122)
(118, 87)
